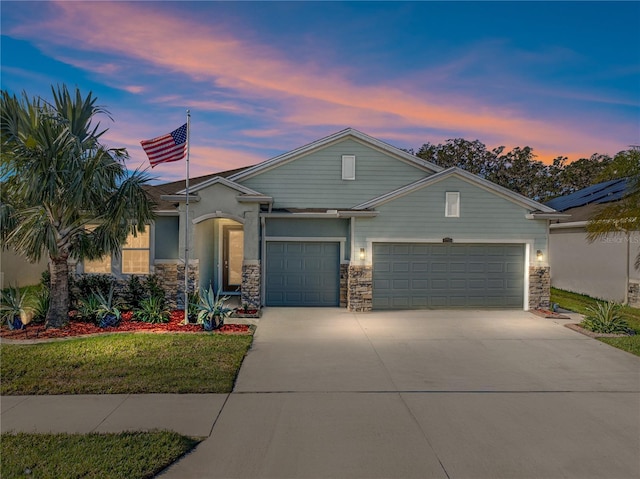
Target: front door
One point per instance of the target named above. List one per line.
(232, 254)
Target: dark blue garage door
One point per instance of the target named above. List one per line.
(414, 276)
(302, 274)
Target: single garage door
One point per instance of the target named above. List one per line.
(414, 276)
(302, 274)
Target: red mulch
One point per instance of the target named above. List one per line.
(80, 328)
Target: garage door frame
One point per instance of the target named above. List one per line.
(341, 240)
(527, 243)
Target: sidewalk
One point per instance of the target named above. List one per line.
(188, 414)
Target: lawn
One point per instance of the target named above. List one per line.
(124, 364)
(131, 455)
(579, 303)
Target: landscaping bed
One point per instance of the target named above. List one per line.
(77, 327)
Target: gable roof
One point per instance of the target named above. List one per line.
(175, 187)
(328, 140)
(223, 181)
(604, 192)
(464, 175)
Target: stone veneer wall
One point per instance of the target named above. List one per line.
(344, 280)
(360, 288)
(251, 285)
(539, 287)
(634, 294)
(171, 277)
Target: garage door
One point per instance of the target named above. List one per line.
(302, 274)
(413, 276)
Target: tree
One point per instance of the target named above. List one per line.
(622, 216)
(518, 170)
(63, 192)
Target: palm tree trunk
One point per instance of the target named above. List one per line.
(58, 314)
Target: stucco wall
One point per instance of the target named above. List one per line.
(16, 271)
(597, 269)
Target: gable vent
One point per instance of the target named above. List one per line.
(348, 167)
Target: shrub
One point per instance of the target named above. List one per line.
(41, 302)
(152, 310)
(154, 289)
(605, 318)
(134, 292)
(87, 284)
(194, 301)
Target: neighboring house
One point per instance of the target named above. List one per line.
(350, 221)
(604, 268)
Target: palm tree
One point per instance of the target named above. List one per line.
(622, 216)
(64, 193)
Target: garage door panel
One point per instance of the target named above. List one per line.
(447, 276)
(438, 267)
(302, 274)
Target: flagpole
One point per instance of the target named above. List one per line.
(186, 228)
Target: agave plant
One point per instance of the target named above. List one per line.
(16, 307)
(212, 309)
(605, 318)
(108, 312)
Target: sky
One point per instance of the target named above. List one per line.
(263, 78)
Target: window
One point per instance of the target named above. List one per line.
(135, 254)
(348, 167)
(452, 204)
(98, 266)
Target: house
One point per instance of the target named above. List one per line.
(604, 268)
(349, 221)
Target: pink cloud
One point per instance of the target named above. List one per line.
(309, 94)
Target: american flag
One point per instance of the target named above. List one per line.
(166, 148)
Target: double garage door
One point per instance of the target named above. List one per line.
(405, 275)
(414, 276)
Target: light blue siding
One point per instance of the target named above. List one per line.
(307, 227)
(315, 180)
(420, 215)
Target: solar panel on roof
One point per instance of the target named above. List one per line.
(603, 192)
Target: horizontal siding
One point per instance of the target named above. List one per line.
(315, 180)
(307, 227)
(420, 215)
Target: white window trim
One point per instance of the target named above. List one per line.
(452, 202)
(349, 167)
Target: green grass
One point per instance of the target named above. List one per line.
(630, 344)
(580, 302)
(124, 363)
(130, 455)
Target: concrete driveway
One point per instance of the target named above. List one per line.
(325, 393)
